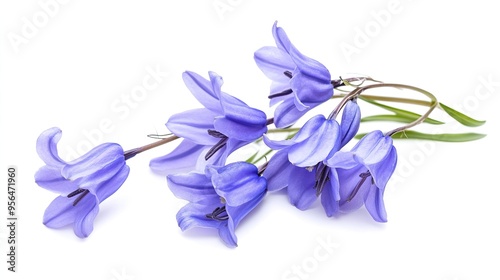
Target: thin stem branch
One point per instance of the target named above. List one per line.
(131, 153)
(390, 99)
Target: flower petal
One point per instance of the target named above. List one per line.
(239, 130)
(374, 203)
(61, 211)
(194, 215)
(84, 221)
(278, 171)
(373, 147)
(98, 179)
(351, 119)
(202, 90)
(193, 187)
(273, 62)
(182, 159)
(110, 186)
(348, 181)
(280, 37)
(236, 214)
(46, 147)
(330, 196)
(50, 178)
(310, 91)
(287, 114)
(383, 170)
(317, 146)
(193, 125)
(237, 182)
(94, 161)
(301, 190)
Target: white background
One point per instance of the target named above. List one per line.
(79, 64)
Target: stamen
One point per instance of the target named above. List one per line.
(322, 176)
(77, 191)
(78, 199)
(283, 93)
(218, 214)
(288, 74)
(216, 134)
(216, 147)
(358, 186)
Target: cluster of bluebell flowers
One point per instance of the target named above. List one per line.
(311, 162)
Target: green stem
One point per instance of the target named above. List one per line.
(389, 99)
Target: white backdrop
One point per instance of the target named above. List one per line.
(80, 65)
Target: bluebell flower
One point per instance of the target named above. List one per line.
(295, 165)
(211, 133)
(299, 83)
(82, 183)
(219, 198)
(299, 164)
(363, 174)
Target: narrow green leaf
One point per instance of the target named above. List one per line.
(396, 118)
(444, 137)
(461, 118)
(252, 158)
(401, 112)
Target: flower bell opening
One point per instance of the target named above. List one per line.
(219, 214)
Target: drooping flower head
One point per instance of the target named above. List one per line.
(82, 183)
(299, 163)
(300, 83)
(210, 133)
(363, 174)
(219, 198)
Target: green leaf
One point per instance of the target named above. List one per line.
(252, 158)
(401, 113)
(396, 118)
(461, 118)
(444, 137)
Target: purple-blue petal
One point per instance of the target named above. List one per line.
(194, 215)
(351, 119)
(278, 171)
(202, 90)
(317, 146)
(99, 178)
(111, 185)
(50, 178)
(301, 190)
(383, 170)
(193, 187)
(310, 91)
(274, 62)
(287, 114)
(236, 214)
(182, 159)
(46, 147)
(61, 212)
(348, 180)
(237, 182)
(93, 161)
(374, 203)
(194, 125)
(238, 130)
(330, 195)
(280, 37)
